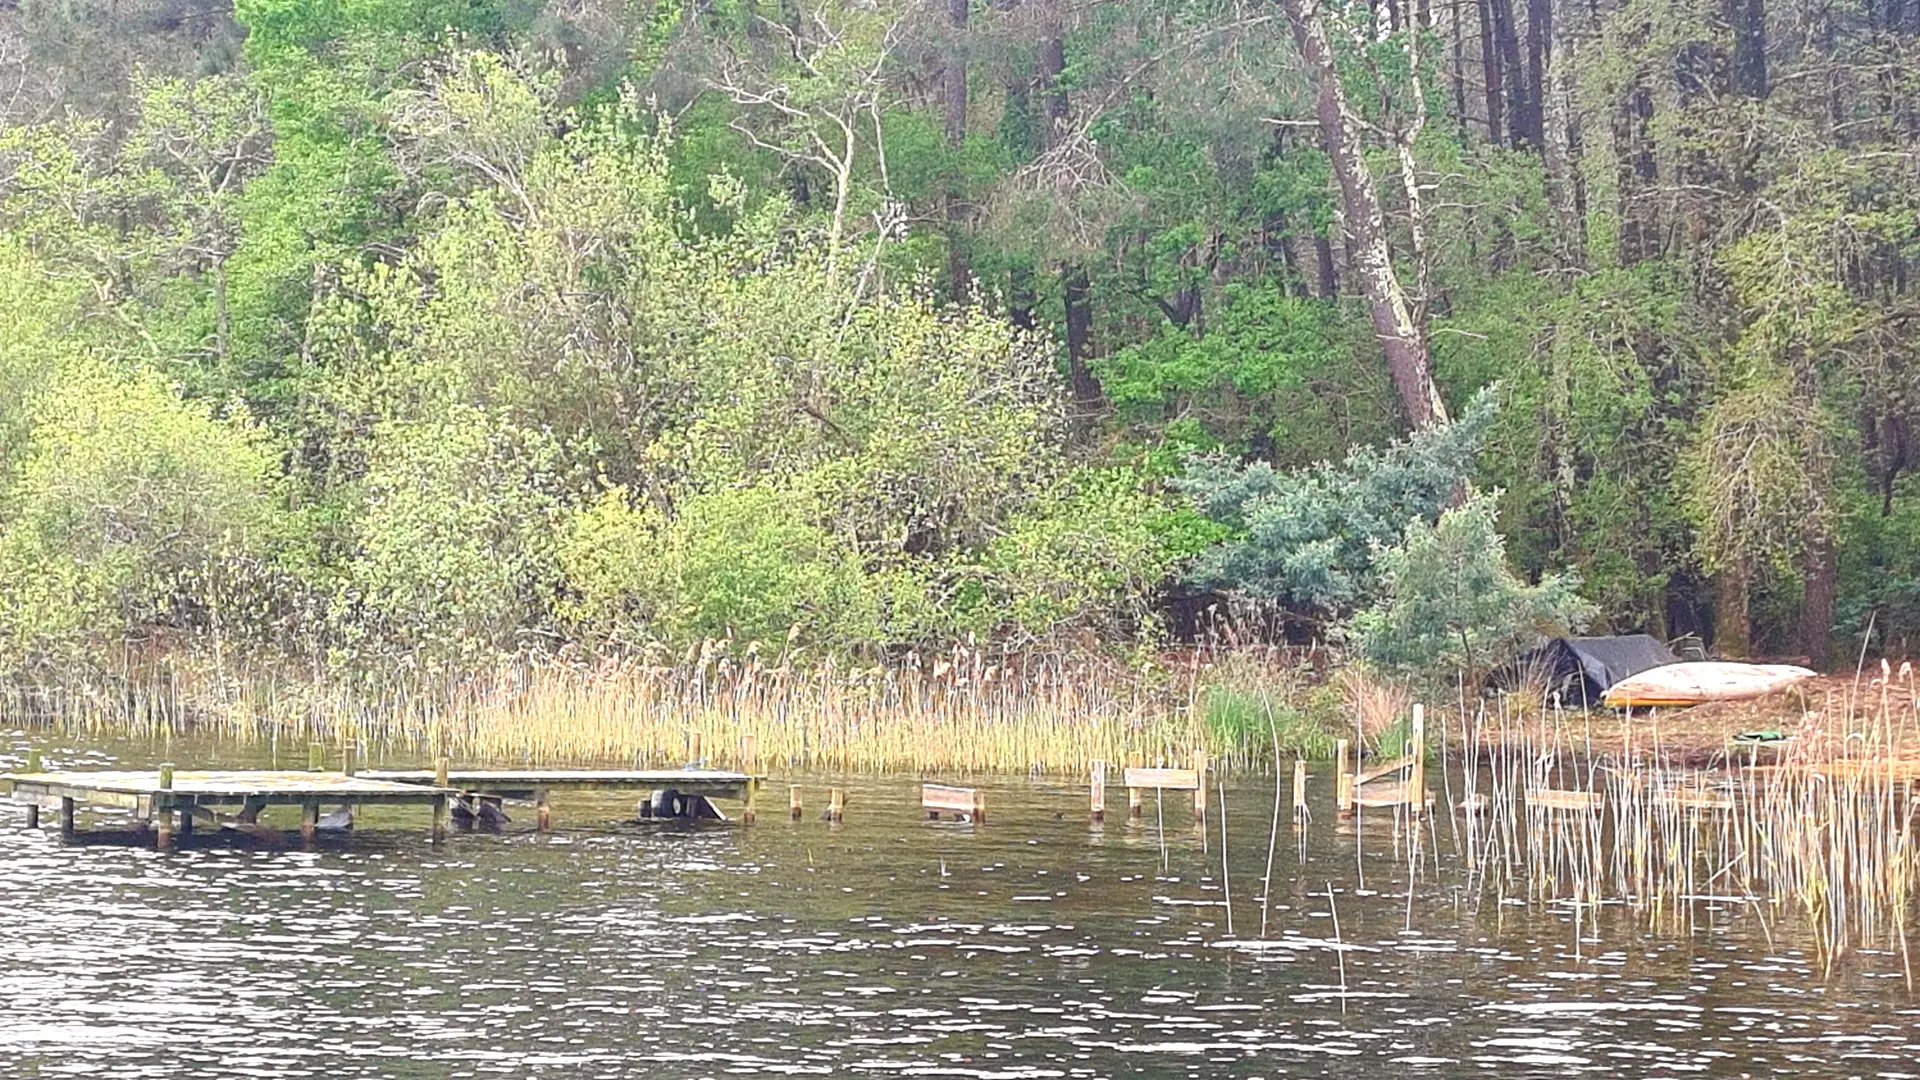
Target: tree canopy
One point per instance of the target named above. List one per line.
(424, 330)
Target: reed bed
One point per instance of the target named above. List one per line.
(1820, 828)
(961, 711)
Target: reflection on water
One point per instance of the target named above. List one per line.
(1038, 946)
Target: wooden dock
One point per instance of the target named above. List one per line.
(172, 802)
(175, 801)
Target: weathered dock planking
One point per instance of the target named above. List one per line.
(165, 796)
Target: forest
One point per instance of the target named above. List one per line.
(380, 334)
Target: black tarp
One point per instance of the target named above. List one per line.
(1581, 669)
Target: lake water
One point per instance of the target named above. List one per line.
(1038, 945)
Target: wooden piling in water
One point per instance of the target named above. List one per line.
(163, 814)
(316, 757)
(750, 764)
(439, 819)
(1099, 791)
(1136, 804)
(1342, 780)
(542, 815)
(836, 804)
(1200, 788)
(309, 821)
(33, 808)
(793, 801)
(1299, 789)
(1417, 777)
(66, 818)
(349, 759)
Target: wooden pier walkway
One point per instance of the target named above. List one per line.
(175, 801)
(172, 802)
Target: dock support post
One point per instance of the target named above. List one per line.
(439, 819)
(33, 809)
(542, 816)
(750, 764)
(316, 757)
(836, 804)
(1299, 789)
(793, 801)
(1099, 791)
(979, 807)
(309, 821)
(1200, 792)
(1342, 780)
(66, 818)
(349, 759)
(1417, 778)
(163, 810)
(1136, 804)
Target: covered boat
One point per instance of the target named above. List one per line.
(1704, 680)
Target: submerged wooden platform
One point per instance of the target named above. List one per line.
(676, 793)
(524, 783)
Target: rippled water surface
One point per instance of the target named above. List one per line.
(1036, 946)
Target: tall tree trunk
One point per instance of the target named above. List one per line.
(1637, 170)
(1329, 279)
(1079, 311)
(1490, 73)
(1073, 276)
(959, 269)
(1748, 18)
(1506, 39)
(1732, 625)
(1557, 146)
(1458, 34)
(1020, 295)
(1401, 339)
(1539, 34)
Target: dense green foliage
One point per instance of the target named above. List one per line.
(421, 330)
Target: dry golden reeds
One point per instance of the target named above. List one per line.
(961, 711)
(1825, 831)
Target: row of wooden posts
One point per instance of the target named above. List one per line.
(1350, 793)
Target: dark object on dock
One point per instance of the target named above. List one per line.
(676, 805)
(1581, 669)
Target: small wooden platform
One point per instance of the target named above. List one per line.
(961, 802)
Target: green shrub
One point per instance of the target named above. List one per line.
(127, 506)
(1449, 604)
(747, 564)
